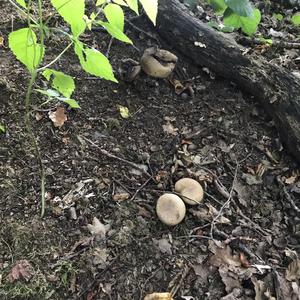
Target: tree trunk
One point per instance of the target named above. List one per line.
(276, 89)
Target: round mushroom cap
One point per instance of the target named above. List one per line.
(190, 190)
(170, 209)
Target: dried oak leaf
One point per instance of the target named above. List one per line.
(58, 117)
(223, 255)
(293, 270)
(21, 270)
(233, 277)
(261, 291)
(170, 129)
(164, 246)
(119, 197)
(100, 257)
(98, 229)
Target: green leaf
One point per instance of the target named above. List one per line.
(266, 41)
(115, 32)
(72, 11)
(115, 16)
(100, 2)
(296, 19)
(23, 44)
(279, 17)
(150, 7)
(94, 62)
(21, 3)
(60, 81)
(2, 128)
(120, 2)
(133, 4)
(240, 7)
(219, 6)
(247, 24)
(72, 103)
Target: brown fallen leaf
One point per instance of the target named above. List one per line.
(170, 129)
(100, 257)
(121, 196)
(1, 41)
(234, 277)
(159, 296)
(38, 116)
(293, 270)
(261, 291)
(223, 255)
(21, 270)
(244, 261)
(58, 117)
(98, 229)
(85, 242)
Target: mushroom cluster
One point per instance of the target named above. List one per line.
(170, 208)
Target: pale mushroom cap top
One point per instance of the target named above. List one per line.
(190, 190)
(170, 209)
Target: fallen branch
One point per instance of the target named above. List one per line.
(273, 86)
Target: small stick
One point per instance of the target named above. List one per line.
(140, 188)
(109, 46)
(110, 155)
(225, 204)
(142, 31)
(288, 196)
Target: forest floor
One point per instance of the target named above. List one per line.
(241, 242)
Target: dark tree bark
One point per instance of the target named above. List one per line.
(274, 87)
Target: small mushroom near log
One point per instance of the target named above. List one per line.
(170, 209)
(158, 63)
(189, 190)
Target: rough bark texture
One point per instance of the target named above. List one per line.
(276, 89)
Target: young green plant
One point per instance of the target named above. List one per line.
(28, 45)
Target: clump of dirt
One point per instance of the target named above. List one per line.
(241, 242)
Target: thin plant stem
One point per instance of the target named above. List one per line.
(56, 58)
(28, 99)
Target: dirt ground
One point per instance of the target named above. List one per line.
(241, 242)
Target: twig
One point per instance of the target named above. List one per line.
(278, 44)
(140, 188)
(96, 278)
(110, 155)
(147, 280)
(142, 31)
(254, 226)
(288, 196)
(225, 204)
(109, 46)
(182, 277)
(10, 250)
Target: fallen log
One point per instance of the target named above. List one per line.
(274, 87)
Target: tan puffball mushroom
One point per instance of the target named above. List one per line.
(190, 190)
(158, 63)
(170, 209)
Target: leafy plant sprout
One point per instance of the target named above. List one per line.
(28, 45)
